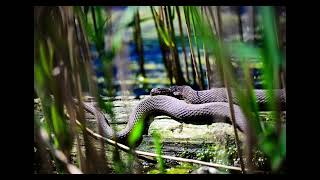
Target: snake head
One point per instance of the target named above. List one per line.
(161, 91)
(174, 91)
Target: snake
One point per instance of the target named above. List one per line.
(183, 104)
(191, 96)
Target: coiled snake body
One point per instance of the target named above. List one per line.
(207, 106)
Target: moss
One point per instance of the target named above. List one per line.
(178, 170)
(216, 153)
(154, 171)
(171, 129)
(186, 165)
(183, 168)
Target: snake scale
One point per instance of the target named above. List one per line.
(183, 104)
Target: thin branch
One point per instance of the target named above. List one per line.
(143, 154)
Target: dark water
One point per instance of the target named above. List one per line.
(153, 55)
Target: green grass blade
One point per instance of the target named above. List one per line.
(136, 133)
(158, 147)
(43, 60)
(163, 33)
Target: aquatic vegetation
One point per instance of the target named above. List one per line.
(104, 52)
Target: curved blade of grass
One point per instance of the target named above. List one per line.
(41, 85)
(272, 62)
(100, 20)
(131, 24)
(61, 129)
(244, 51)
(283, 141)
(136, 133)
(88, 26)
(164, 34)
(51, 53)
(44, 60)
(271, 55)
(157, 142)
(134, 137)
(39, 77)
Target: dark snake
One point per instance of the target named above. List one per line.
(207, 106)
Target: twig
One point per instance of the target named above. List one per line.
(142, 153)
